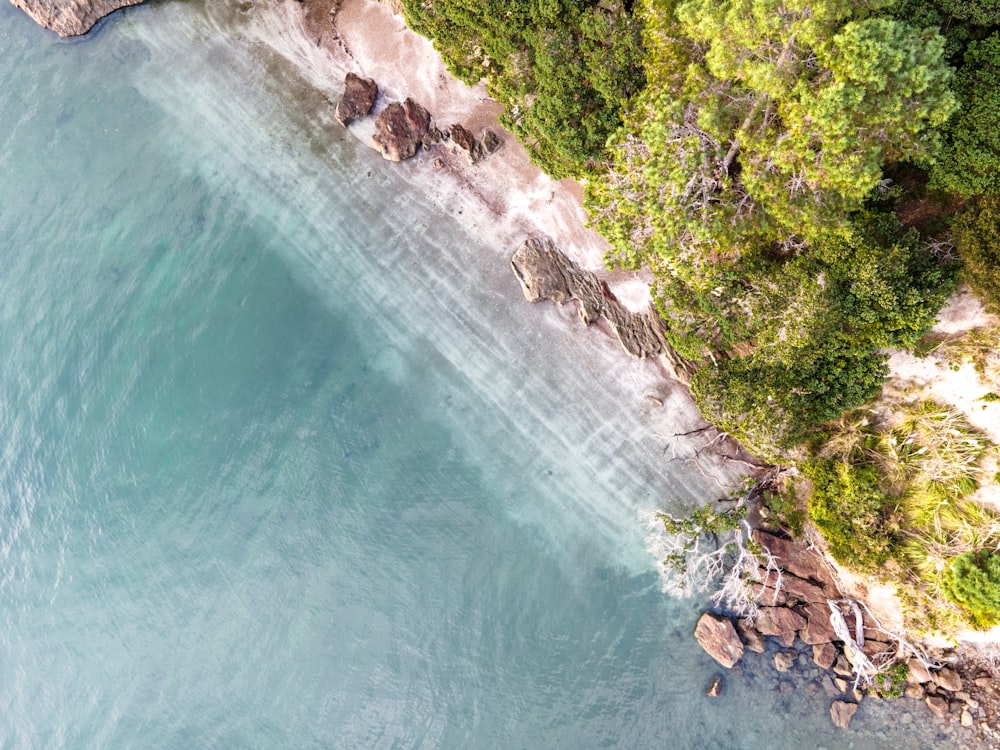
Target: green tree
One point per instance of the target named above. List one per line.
(976, 233)
(970, 161)
(778, 125)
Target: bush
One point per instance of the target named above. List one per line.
(853, 513)
(977, 238)
(972, 581)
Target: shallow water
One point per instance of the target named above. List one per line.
(285, 459)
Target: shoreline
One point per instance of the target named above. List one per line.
(358, 40)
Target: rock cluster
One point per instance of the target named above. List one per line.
(402, 128)
(70, 17)
(546, 273)
(796, 612)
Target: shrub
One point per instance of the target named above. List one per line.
(972, 581)
(852, 512)
(976, 234)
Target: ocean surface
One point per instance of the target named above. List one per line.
(286, 461)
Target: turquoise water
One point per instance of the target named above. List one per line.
(285, 459)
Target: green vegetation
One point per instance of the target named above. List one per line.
(790, 172)
(563, 68)
(972, 580)
(977, 238)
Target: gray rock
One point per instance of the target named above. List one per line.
(718, 637)
(357, 100)
(73, 17)
(841, 712)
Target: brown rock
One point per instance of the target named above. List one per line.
(462, 140)
(939, 706)
(715, 689)
(841, 684)
(983, 681)
(918, 672)
(914, 691)
(966, 718)
(818, 629)
(546, 273)
(947, 679)
(797, 560)
(786, 639)
(841, 713)
(842, 666)
(70, 18)
(824, 654)
(751, 638)
(767, 595)
(718, 637)
(489, 142)
(784, 660)
(400, 130)
(873, 649)
(778, 621)
(358, 99)
(803, 590)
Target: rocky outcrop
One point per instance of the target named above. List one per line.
(474, 149)
(546, 273)
(718, 637)
(798, 560)
(358, 99)
(400, 129)
(70, 17)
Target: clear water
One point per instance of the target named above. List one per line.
(285, 459)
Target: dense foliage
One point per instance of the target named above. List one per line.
(564, 69)
(745, 151)
(972, 581)
(977, 239)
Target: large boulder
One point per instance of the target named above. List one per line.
(358, 99)
(798, 560)
(818, 628)
(947, 679)
(400, 129)
(718, 637)
(778, 621)
(72, 17)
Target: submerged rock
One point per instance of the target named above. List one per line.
(71, 17)
(751, 638)
(715, 689)
(358, 99)
(718, 637)
(842, 712)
